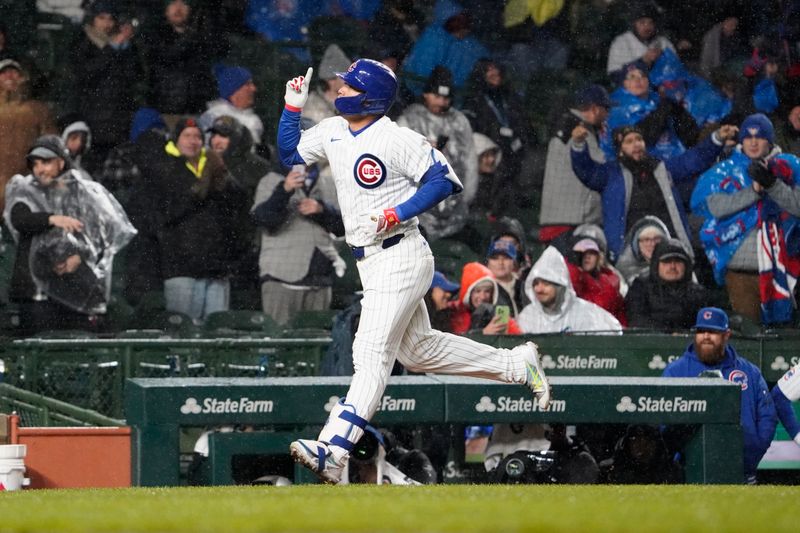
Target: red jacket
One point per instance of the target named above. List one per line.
(602, 290)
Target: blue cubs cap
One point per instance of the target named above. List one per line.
(502, 247)
(711, 319)
(439, 280)
(757, 125)
(592, 94)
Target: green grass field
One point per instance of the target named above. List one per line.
(452, 508)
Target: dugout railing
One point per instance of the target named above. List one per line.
(158, 409)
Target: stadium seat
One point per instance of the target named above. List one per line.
(313, 319)
(173, 323)
(241, 321)
(450, 256)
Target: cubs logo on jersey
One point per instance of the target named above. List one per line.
(738, 377)
(369, 171)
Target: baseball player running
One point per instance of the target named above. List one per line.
(385, 176)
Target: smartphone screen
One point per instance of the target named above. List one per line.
(502, 312)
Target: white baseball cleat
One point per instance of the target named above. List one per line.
(536, 379)
(316, 456)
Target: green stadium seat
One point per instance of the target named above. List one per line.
(173, 323)
(453, 248)
(241, 321)
(313, 319)
(450, 256)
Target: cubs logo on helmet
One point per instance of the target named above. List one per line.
(369, 171)
(738, 377)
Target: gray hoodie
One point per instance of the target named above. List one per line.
(571, 314)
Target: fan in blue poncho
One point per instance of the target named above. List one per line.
(698, 96)
(666, 126)
(757, 228)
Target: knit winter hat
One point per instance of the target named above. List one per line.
(186, 122)
(146, 118)
(440, 82)
(619, 134)
(757, 125)
(334, 60)
(230, 79)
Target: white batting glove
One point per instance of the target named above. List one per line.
(297, 91)
(384, 221)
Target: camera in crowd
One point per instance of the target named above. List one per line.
(567, 461)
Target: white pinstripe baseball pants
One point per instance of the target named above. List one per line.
(395, 325)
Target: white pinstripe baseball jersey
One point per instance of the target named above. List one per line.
(374, 169)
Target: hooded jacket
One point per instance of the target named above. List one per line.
(600, 286)
(472, 275)
(82, 127)
(571, 314)
(758, 415)
(449, 216)
(247, 117)
(657, 304)
(246, 167)
(631, 263)
(438, 47)
(106, 228)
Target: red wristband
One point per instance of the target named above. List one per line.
(391, 217)
(293, 108)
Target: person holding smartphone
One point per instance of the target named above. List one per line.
(477, 309)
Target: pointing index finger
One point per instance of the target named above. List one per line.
(307, 78)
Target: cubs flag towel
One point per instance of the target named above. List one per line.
(777, 274)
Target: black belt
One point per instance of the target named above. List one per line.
(358, 251)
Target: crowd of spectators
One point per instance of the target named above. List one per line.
(624, 151)
(646, 147)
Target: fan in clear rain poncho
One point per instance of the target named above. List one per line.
(70, 262)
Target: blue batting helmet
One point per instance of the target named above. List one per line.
(378, 86)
